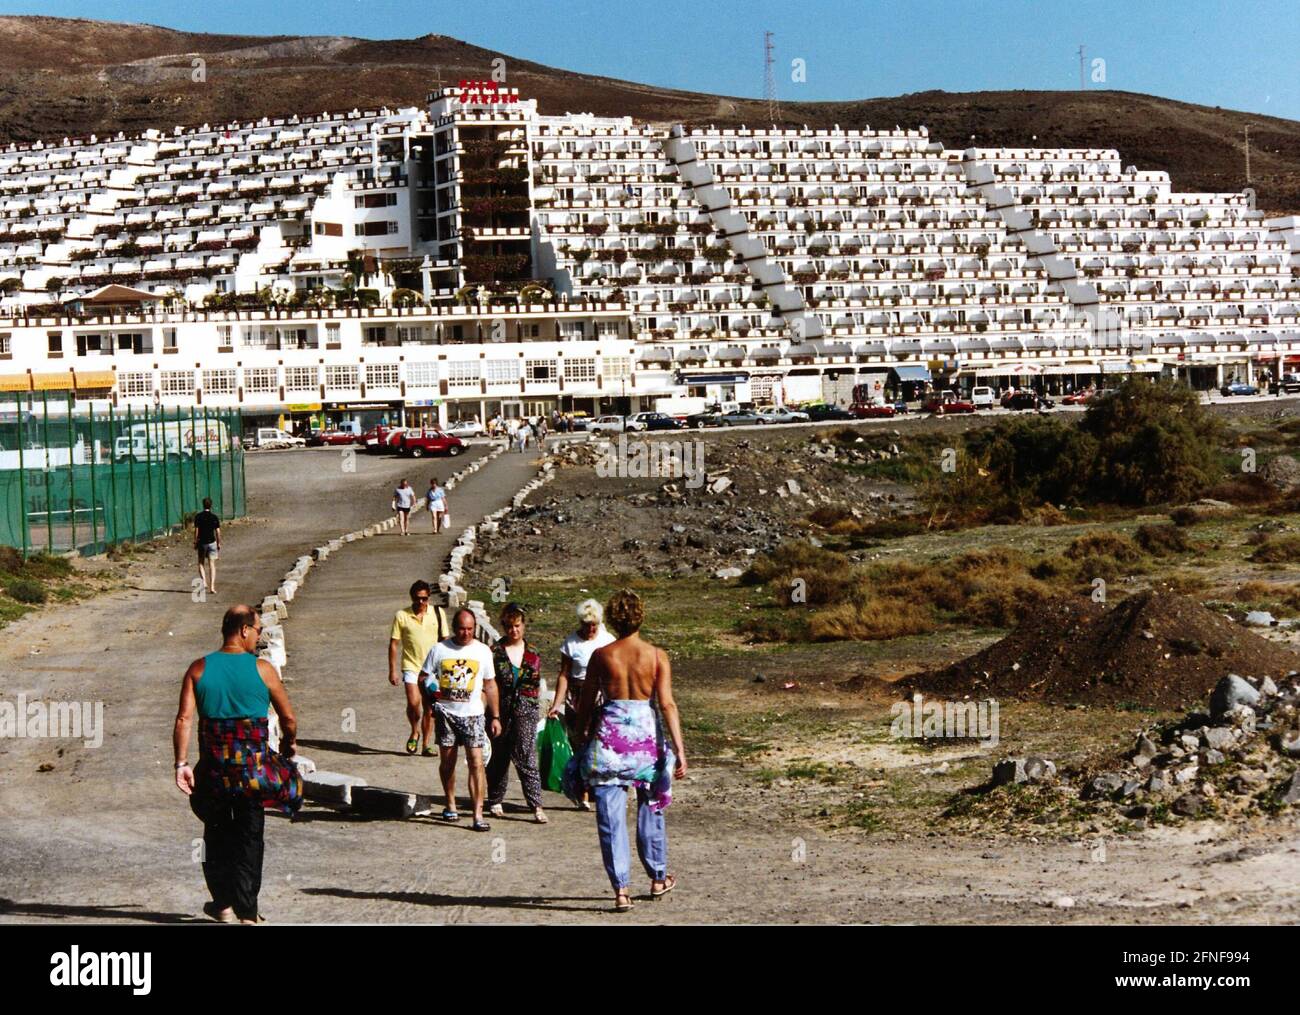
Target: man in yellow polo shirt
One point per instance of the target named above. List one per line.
(416, 630)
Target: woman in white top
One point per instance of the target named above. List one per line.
(436, 501)
(575, 654)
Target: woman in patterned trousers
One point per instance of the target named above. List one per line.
(518, 677)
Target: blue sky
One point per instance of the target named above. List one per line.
(1239, 54)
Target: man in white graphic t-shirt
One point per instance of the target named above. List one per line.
(462, 669)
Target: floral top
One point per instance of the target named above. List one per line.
(522, 680)
(629, 749)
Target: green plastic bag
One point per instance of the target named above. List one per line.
(553, 753)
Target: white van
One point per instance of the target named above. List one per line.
(983, 398)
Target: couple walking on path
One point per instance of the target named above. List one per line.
(435, 499)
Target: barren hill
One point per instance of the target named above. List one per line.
(61, 77)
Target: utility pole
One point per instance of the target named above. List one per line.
(1247, 130)
(1083, 83)
(769, 81)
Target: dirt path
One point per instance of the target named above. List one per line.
(104, 835)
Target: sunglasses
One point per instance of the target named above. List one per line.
(419, 599)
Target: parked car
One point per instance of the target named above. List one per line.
(821, 413)
(1077, 397)
(781, 414)
(466, 428)
(1238, 388)
(1021, 400)
(742, 417)
(700, 420)
(330, 438)
(946, 402)
(653, 421)
(983, 398)
(1289, 384)
(875, 411)
(609, 424)
(272, 437)
(381, 438)
(427, 441)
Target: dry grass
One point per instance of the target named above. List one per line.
(1285, 550)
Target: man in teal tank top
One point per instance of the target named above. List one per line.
(238, 775)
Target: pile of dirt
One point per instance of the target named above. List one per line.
(1154, 649)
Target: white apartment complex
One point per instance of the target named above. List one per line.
(475, 256)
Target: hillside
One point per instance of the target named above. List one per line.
(62, 77)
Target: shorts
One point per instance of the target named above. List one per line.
(451, 730)
(207, 551)
(405, 511)
(410, 676)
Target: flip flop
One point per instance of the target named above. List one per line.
(449, 815)
(481, 826)
(622, 902)
(669, 883)
(428, 752)
(413, 745)
(226, 915)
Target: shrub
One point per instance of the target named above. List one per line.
(876, 619)
(1278, 551)
(1155, 443)
(1184, 516)
(11, 561)
(1101, 543)
(1162, 539)
(26, 591)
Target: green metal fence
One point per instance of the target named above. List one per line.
(73, 478)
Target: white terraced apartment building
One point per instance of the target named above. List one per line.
(733, 263)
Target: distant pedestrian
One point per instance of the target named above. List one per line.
(462, 673)
(416, 629)
(435, 499)
(238, 776)
(628, 746)
(518, 674)
(403, 501)
(207, 543)
(575, 654)
(521, 436)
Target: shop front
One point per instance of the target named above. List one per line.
(361, 416)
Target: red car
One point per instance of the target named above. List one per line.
(329, 438)
(1077, 398)
(381, 438)
(417, 443)
(872, 411)
(947, 403)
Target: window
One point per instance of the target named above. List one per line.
(300, 378)
(224, 334)
(607, 329)
(382, 375)
(463, 373)
(502, 371)
(260, 379)
(169, 339)
(376, 200)
(530, 331)
(616, 366)
(571, 330)
(219, 382)
(580, 371)
(56, 343)
(422, 375)
(329, 229)
(382, 228)
(177, 382)
(540, 371)
(340, 377)
(135, 385)
(412, 334)
(332, 333)
(4, 344)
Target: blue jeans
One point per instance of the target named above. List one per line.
(611, 824)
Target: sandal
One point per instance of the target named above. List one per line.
(540, 817)
(428, 752)
(622, 902)
(413, 745)
(481, 826)
(449, 815)
(226, 915)
(669, 883)
(497, 811)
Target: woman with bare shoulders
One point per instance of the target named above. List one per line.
(622, 744)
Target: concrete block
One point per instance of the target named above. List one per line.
(380, 803)
(331, 787)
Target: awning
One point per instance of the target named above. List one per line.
(52, 382)
(95, 379)
(16, 382)
(912, 373)
(1130, 368)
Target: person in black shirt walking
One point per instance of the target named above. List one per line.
(207, 541)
